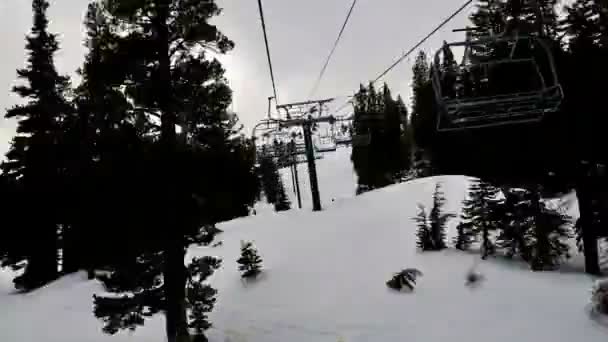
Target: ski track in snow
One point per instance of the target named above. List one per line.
(324, 280)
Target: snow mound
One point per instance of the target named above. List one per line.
(325, 280)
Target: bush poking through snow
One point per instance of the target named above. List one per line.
(406, 279)
(464, 237)
(250, 262)
(599, 297)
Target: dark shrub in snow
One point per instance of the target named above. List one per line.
(406, 279)
(250, 262)
(599, 297)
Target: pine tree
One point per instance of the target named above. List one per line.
(498, 16)
(438, 219)
(82, 146)
(423, 233)
(547, 236)
(35, 156)
(465, 236)
(533, 231)
(201, 296)
(272, 183)
(283, 203)
(515, 217)
(250, 262)
(165, 72)
(407, 139)
(423, 103)
(380, 155)
(480, 213)
(586, 37)
(448, 69)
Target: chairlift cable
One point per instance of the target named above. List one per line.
(274, 87)
(333, 50)
(423, 40)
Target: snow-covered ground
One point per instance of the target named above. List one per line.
(324, 280)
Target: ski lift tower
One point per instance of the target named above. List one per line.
(306, 121)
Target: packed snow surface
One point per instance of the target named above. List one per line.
(324, 280)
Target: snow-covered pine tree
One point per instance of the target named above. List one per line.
(250, 263)
(438, 219)
(515, 217)
(423, 233)
(465, 236)
(547, 236)
(480, 210)
(404, 279)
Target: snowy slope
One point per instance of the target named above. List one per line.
(324, 280)
(336, 177)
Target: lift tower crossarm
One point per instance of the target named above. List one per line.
(304, 103)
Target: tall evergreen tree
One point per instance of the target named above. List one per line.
(584, 28)
(86, 135)
(35, 157)
(499, 16)
(480, 213)
(438, 219)
(431, 231)
(424, 240)
(423, 103)
(548, 239)
(515, 217)
(543, 231)
(382, 157)
(165, 73)
(272, 183)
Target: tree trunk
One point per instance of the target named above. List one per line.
(70, 255)
(585, 205)
(175, 294)
(174, 270)
(42, 265)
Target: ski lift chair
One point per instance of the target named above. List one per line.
(533, 92)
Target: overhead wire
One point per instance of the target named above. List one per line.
(333, 50)
(274, 86)
(405, 55)
(416, 46)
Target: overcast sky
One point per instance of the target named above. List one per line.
(300, 33)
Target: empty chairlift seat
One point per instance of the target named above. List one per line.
(500, 81)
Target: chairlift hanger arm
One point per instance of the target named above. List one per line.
(300, 122)
(304, 103)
